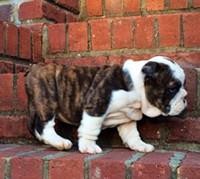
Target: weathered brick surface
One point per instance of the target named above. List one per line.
(130, 6)
(6, 11)
(155, 4)
(69, 166)
(196, 3)
(69, 4)
(12, 40)
(13, 127)
(31, 10)
(78, 36)
(2, 37)
(143, 32)
(191, 25)
(150, 129)
(122, 33)
(190, 166)
(57, 37)
(113, 7)
(153, 165)
(6, 92)
(35, 161)
(24, 43)
(110, 165)
(191, 86)
(21, 97)
(94, 8)
(53, 13)
(178, 4)
(169, 30)
(187, 129)
(6, 67)
(37, 42)
(101, 34)
(29, 165)
(38, 9)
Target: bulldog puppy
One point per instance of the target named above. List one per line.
(95, 98)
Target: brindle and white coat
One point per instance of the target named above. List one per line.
(98, 97)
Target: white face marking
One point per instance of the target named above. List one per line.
(178, 103)
(176, 69)
(134, 69)
(50, 137)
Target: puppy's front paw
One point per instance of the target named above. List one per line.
(88, 146)
(140, 146)
(60, 143)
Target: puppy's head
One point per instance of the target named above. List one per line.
(164, 87)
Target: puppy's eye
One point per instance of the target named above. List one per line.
(172, 90)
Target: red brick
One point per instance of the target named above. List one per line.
(31, 10)
(1, 168)
(29, 165)
(89, 61)
(143, 32)
(178, 4)
(169, 30)
(21, 68)
(191, 26)
(154, 5)
(69, 4)
(186, 58)
(187, 129)
(37, 43)
(100, 34)
(57, 37)
(21, 93)
(6, 11)
(136, 57)
(114, 60)
(110, 165)
(2, 37)
(94, 8)
(6, 67)
(12, 40)
(149, 129)
(6, 92)
(153, 165)
(113, 7)
(191, 87)
(17, 150)
(14, 126)
(196, 3)
(190, 166)
(23, 168)
(78, 37)
(53, 12)
(122, 33)
(131, 6)
(24, 43)
(71, 17)
(66, 167)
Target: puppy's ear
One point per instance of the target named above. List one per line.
(150, 69)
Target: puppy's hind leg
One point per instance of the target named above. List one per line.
(50, 137)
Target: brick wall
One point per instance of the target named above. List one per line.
(104, 32)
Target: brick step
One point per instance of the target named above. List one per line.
(182, 132)
(163, 133)
(33, 161)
